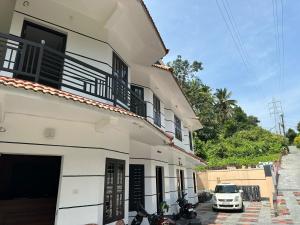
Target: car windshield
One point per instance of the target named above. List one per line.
(226, 189)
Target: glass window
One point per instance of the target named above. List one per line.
(226, 189)
(120, 69)
(178, 133)
(191, 140)
(156, 111)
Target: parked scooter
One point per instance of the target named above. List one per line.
(187, 210)
(154, 219)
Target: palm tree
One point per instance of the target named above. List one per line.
(224, 104)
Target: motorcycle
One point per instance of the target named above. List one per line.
(154, 219)
(187, 210)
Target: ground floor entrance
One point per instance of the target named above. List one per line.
(28, 189)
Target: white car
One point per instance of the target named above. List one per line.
(227, 196)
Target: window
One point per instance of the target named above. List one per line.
(195, 185)
(178, 133)
(114, 190)
(191, 140)
(135, 104)
(180, 182)
(120, 69)
(136, 186)
(156, 111)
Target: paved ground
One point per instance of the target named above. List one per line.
(260, 212)
(289, 185)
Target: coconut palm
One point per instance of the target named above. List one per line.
(224, 105)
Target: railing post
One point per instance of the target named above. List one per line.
(39, 62)
(114, 89)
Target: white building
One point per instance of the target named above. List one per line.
(89, 126)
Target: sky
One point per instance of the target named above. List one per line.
(268, 69)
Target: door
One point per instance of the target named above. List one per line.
(114, 191)
(136, 186)
(28, 190)
(180, 182)
(51, 63)
(159, 187)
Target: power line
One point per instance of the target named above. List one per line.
(236, 29)
(233, 37)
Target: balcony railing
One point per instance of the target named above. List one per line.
(38, 63)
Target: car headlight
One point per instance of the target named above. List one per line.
(236, 198)
(214, 198)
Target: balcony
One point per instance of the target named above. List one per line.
(38, 63)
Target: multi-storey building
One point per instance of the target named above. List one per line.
(91, 122)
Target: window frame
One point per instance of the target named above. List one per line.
(191, 140)
(156, 111)
(178, 129)
(114, 217)
(117, 60)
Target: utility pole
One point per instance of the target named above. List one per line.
(275, 110)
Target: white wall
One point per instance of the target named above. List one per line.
(6, 12)
(88, 158)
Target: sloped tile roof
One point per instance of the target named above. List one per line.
(188, 153)
(31, 86)
(28, 85)
(164, 67)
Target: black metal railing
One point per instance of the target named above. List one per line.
(38, 63)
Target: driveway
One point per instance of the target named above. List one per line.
(288, 200)
(289, 186)
(255, 213)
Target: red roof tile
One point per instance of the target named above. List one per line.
(28, 85)
(188, 153)
(164, 67)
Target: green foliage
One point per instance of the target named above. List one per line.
(229, 136)
(291, 134)
(246, 147)
(224, 105)
(298, 127)
(297, 141)
(184, 70)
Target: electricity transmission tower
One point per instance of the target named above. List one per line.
(275, 109)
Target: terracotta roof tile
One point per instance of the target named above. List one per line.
(28, 85)
(164, 67)
(188, 153)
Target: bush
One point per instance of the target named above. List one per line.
(244, 148)
(297, 141)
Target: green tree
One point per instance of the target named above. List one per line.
(291, 134)
(184, 70)
(224, 105)
(298, 127)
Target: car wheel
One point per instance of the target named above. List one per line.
(214, 209)
(242, 209)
